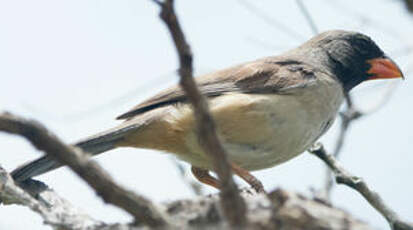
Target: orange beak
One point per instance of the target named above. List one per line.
(383, 68)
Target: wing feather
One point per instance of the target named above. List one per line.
(263, 76)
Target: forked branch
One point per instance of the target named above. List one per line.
(343, 176)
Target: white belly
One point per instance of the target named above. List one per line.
(292, 131)
(264, 130)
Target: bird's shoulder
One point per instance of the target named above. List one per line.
(268, 75)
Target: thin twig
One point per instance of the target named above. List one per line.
(347, 117)
(385, 98)
(341, 8)
(104, 107)
(262, 44)
(343, 176)
(308, 17)
(233, 206)
(279, 26)
(196, 188)
(139, 207)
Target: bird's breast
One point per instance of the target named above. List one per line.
(257, 130)
(263, 130)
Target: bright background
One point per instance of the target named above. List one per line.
(75, 65)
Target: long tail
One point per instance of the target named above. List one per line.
(94, 145)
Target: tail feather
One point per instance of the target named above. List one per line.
(93, 145)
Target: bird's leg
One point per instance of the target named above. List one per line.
(248, 177)
(203, 176)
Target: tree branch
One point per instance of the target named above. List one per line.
(348, 116)
(55, 211)
(139, 207)
(281, 209)
(343, 176)
(232, 204)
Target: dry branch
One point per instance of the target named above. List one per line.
(348, 116)
(55, 211)
(139, 207)
(233, 206)
(343, 176)
(279, 210)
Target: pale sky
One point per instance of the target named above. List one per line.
(75, 65)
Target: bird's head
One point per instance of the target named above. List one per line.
(353, 57)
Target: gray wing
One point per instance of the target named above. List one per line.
(270, 75)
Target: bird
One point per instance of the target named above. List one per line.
(266, 111)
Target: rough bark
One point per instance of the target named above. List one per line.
(55, 210)
(279, 209)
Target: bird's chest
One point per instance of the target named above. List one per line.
(262, 130)
(285, 126)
